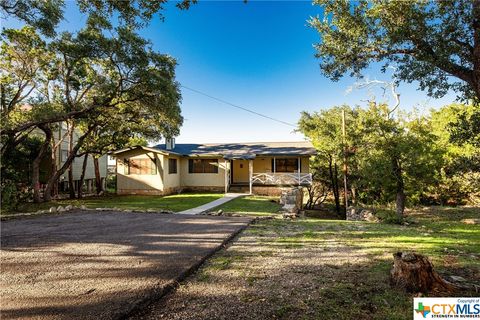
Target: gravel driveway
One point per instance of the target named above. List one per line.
(100, 265)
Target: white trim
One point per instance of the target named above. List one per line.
(250, 173)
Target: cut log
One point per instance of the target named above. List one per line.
(414, 273)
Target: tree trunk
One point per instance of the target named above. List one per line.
(53, 168)
(476, 47)
(354, 195)
(71, 186)
(336, 188)
(400, 199)
(414, 273)
(82, 176)
(54, 177)
(36, 163)
(334, 184)
(98, 179)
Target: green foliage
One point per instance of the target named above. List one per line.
(466, 128)
(388, 216)
(105, 80)
(380, 150)
(45, 15)
(324, 129)
(407, 140)
(459, 180)
(251, 206)
(10, 195)
(15, 169)
(426, 41)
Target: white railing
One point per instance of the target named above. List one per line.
(282, 178)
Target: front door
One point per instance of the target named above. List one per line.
(240, 172)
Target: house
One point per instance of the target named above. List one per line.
(62, 151)
(260, 168)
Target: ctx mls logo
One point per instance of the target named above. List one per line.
(451, 308)
(423, 310)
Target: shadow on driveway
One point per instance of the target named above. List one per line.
(86, 265)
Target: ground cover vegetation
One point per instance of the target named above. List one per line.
(175, 203)
(323, 269)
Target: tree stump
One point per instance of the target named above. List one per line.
(414, 273)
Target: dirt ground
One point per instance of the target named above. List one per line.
(99, 265)
(320, 269)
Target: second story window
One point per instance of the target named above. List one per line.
(63, 155)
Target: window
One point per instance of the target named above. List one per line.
(203, 166)
(141, 166)
(172, 166)
(64, 155)
(286, 165)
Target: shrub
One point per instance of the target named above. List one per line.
(388, 216)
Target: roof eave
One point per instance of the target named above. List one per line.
(165, 153)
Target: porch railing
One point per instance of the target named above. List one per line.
(281, 178)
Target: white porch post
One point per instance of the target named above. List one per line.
(226, 174)
(274, 165)
(250, 171)
(299, 169)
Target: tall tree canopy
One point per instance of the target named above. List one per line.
(104, 80)
(45, 15)
(432, 42)
(389, 159)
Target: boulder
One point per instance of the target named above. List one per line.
(52, 210)
(69, 207)
(60, 209)
(361, 214)
(471, 221)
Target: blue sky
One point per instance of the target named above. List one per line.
(257, 55)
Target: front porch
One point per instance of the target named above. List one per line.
(243, 173)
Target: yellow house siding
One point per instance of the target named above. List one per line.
(128, 182)
(202, 179)
(171, 180)
(262, 164)
(305, 165)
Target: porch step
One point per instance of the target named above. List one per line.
(239, 189)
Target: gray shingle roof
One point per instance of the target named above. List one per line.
(246, 150)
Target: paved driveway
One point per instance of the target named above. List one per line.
(99, 265)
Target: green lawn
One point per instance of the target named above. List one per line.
(178, 202)
(328, 269)
(252, 206)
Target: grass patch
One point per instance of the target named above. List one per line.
(320, 269)
(176, 203)
(252, 206)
